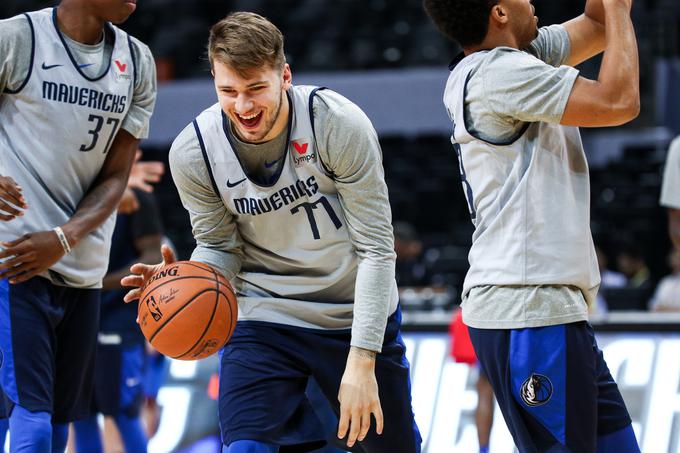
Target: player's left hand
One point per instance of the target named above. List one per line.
(30, 255)
(358, 397)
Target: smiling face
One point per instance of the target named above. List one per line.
(255, 103)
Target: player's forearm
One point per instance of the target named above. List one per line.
(106, 191)
(620, 73)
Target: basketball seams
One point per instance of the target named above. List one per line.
(232, 316)
(179, 310)
(207, 327)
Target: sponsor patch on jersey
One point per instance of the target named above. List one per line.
(302, 151)
(536, 390)
(122, 70)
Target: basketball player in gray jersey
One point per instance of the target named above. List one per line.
(286, 193)
(76, 97)
(515, 100)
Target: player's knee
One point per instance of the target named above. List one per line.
(30, 431)
(250, 446)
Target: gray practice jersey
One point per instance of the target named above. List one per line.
(299, 246)
(532, 260)
(670, 188)
(56, 130)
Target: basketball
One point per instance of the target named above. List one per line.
(187, 311)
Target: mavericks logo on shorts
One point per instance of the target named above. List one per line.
(536, 390)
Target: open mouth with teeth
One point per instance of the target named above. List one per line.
(250, 121)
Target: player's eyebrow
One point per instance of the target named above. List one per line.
(250, 85)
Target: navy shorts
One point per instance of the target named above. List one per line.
(264, 373)
(119, 367)
(48, 337)
(553, 386)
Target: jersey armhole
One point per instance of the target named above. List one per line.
(205, 158)
(311, 120)
(133, 55)
(467, 121)
(30, 65)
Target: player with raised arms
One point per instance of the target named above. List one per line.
(515, 101)
(285, 189)
(77, 94)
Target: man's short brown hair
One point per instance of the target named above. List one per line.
(244, 42)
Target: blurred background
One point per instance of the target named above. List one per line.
(387, 57)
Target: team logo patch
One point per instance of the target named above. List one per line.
(121, 71)
(536, 390)
(302, 152)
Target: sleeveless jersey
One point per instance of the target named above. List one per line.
(299, 266)
(529, 199)
(55, 133)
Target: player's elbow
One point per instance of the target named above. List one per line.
(624, 107)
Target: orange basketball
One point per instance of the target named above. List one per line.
(187, 311)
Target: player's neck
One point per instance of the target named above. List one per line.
(493, 40)
(78, 24)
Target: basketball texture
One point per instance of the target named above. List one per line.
(187, 311)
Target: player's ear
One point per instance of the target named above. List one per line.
(499, 14)
(287, 77)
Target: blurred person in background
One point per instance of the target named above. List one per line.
(670, 191)
(121, 351)
(667, 294)
(409, 269)
(462, 351)
(631, 262)
(610, 279)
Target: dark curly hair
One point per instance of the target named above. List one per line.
(464, 21)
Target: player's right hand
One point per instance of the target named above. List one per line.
(142, 272)
(12, 201)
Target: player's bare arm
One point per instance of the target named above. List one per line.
(358, 397)
(149, 252)
(614, 98)
(33, 253)
(674, 226)
(586, 33)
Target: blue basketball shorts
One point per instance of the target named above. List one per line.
(154, 376)
(553, 387)
(48, 338)
(264, 373)
(119, 367)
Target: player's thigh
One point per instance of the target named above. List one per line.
(75, 353)
(612, 414)
(545, 382)
(27, 343)
(262, 389)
